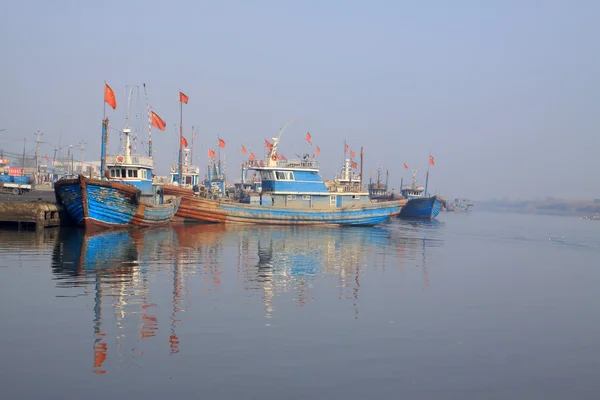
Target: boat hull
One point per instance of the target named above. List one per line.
(221, 211)
(423, 207)
(96, 203)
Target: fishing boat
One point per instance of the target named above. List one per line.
(292, 192)
(125, 196)
(190, 173)
(459, 205)
(419, 204)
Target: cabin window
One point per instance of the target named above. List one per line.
(355, 197)
(291, 197)
(123, 173)
(266, 175)
(284, 175)
(305, 197)
(112, 173)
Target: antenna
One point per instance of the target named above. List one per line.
(149, 122)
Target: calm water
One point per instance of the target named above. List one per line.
(473, 306)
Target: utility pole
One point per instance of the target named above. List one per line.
(54, 162)
(37, 157)
(82, 143)
(69, 160)
(23, 160)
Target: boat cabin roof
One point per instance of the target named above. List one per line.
(290, 165)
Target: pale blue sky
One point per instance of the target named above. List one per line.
(504, 94)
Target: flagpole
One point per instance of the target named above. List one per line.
(104, 140)
(104, 102)
(427, 176)
(361, 167)
(180, 140)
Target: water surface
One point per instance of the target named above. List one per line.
(475, 305)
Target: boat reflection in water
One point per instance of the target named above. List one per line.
(129, 274)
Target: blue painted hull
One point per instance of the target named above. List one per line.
(424, 207)
(216, 211)
(96, 203)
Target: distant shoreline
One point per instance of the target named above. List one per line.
(575, 208)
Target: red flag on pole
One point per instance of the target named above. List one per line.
(183, 98)
(354, 165)
(431, 160)
(318, 150)
(405, 166)
(268, 145)
(221, 143)
(157, 122)
(308, 137)
(352, 154)
(109, 96)
(252, 157)
(184, 141)
(211, 153)
(244, 149)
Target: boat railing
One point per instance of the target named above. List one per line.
(300, 164)
(136, 159)
(187, 169)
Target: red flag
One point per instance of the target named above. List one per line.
(211, 153)
(346, 149)
(184, 141)
(183, 98)
(252, 156)
(405, 166)
(244, 149)
(221, 143)
(318, 150)
(308, 137)
(157, 122)
(431, 160)
(268, 145)
(354, 165)
(352, 154)
(109, 96)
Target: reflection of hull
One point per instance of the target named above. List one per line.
(78, 252)
(424, 207)
(97, 203)
(215, 211)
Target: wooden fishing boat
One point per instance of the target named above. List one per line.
(126, 196)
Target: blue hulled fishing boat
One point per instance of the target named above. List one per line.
(419, 204)
(292, 192)
(125, 196)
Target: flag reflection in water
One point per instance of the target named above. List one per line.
(139, 279)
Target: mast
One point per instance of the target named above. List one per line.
(387, 176)
(192, 148)
(149, 122)
(180, 176)
(127, 129)
(103, 147)
(361, 167)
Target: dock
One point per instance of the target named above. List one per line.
(38, 214)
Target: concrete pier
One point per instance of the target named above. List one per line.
(40, 214)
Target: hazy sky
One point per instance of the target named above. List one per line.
(503, 94)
